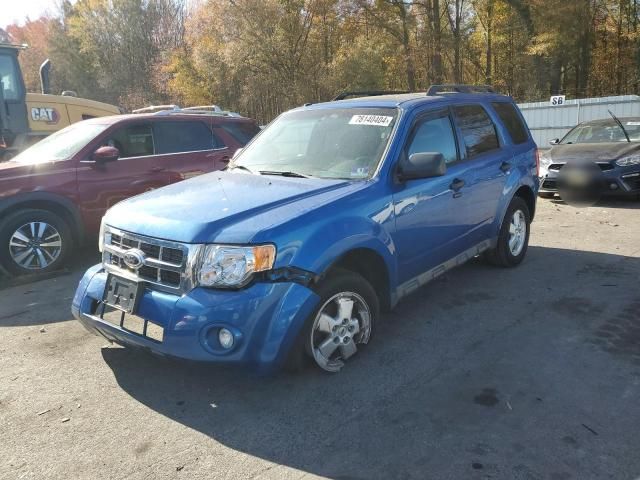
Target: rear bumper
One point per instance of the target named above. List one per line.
(265, 319)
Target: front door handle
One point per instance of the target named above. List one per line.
(157, 169)
(457, 184)
(505, 167)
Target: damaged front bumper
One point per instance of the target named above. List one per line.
(264, 319)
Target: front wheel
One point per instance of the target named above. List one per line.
(34, 241)
(513, 238)
(342, 324)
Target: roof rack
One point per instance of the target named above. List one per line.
(14, 45)
(155, 108)
(212, 110)
(205, 108)
(459, 88)
(368, 93)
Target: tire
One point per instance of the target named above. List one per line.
(324, 327)
(34, 241)
(548, 195)
(503, 255)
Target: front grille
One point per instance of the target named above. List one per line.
(165, 263)
(633, 183)
(171, 255)
(549, 185)
(604, 166)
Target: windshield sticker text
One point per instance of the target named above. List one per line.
(375, 120)
(360, 172)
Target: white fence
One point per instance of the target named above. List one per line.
(547, 122)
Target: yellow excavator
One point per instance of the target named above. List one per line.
(25, 117)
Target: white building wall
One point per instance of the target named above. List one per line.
(547, 122)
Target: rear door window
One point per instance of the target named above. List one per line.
(241, 131)
(132, 141)
(478, 131)
(178, 137)
(512, 121)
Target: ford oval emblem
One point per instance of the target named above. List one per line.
(134, 258)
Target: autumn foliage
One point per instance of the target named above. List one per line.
(260, 57)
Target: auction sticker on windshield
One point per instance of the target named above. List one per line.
(376, 120)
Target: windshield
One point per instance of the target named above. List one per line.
(9, 77)
(325, 143)
(604, 132)
(61, 145)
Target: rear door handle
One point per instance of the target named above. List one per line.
(505, 167)
(225, 159)
(457, 184)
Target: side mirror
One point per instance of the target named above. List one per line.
(105, 154)
(555, 141)
(422, 165)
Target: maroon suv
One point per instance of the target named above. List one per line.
(54, 194)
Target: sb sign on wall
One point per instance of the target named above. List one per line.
(557, 100)
(45, 114)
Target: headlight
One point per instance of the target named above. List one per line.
(545, 161)
(628, 161)
(101, 236)
(228, 266)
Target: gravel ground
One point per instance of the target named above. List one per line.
(530, 373)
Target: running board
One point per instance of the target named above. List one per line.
(413, 284)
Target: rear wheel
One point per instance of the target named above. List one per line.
(513, 238)
(34, 241)
(546, 194)
(341, 325)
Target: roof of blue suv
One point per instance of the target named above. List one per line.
(409, 100)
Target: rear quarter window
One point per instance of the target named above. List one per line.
(241, 131)
(478, 131)
(184, 136)
(512, 121)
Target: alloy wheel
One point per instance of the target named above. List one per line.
(35, 245)
(343, 322)
(517, 232)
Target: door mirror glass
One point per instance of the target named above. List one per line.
(423, 165)
(105, 154)
(555, 141)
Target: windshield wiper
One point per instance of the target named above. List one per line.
(624, 130)
(240, 167)
(283, 173)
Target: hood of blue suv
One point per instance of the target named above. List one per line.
(202, 209)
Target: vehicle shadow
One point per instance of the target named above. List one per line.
(425, 395)
(43, 299)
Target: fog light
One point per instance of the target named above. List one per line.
(225, 337)
(613, 186)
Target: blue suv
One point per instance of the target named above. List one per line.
(331, 214)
